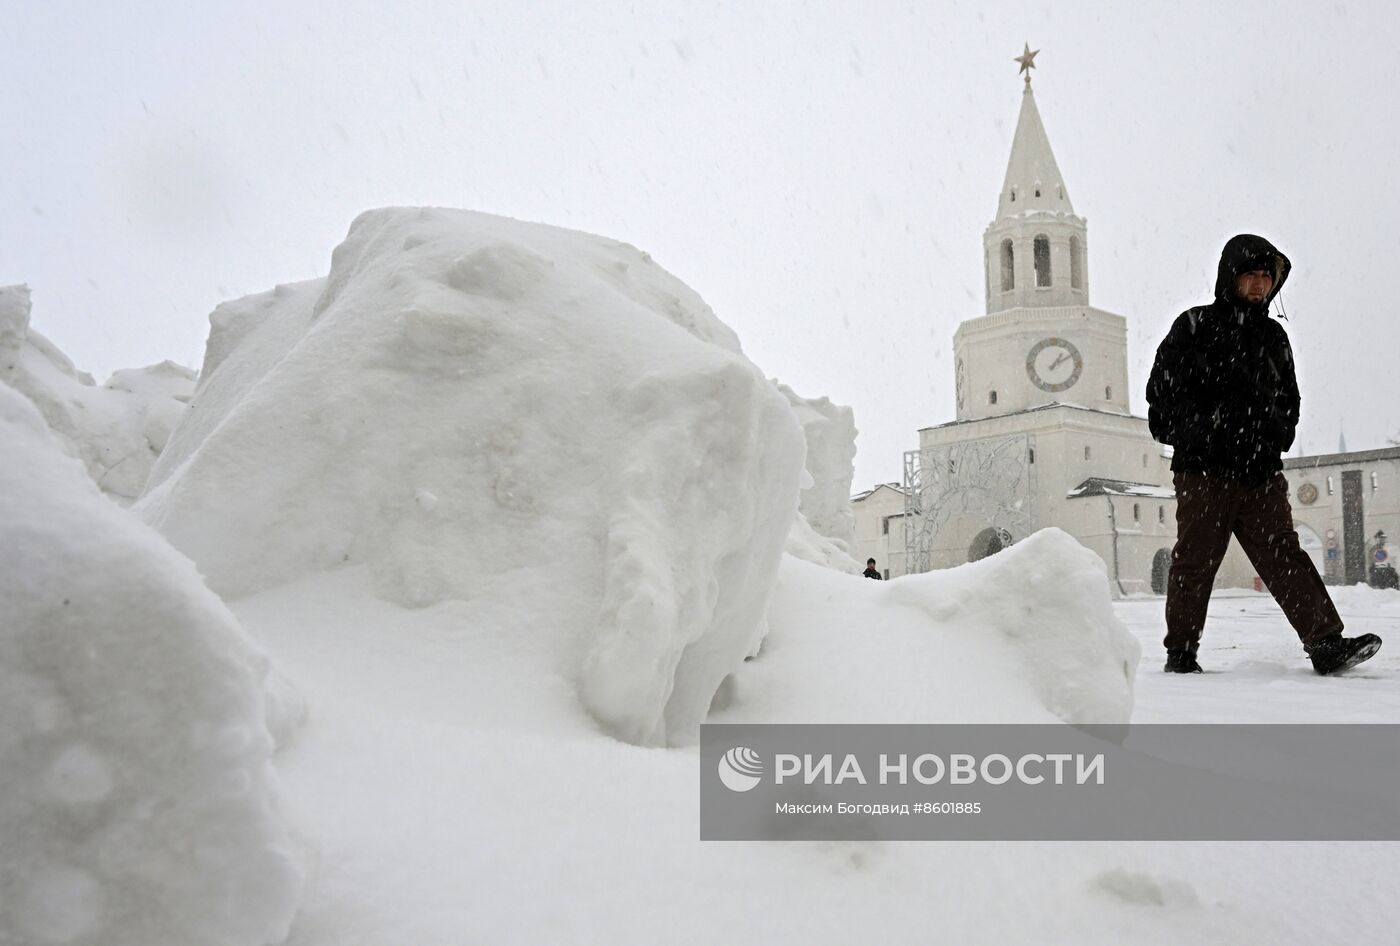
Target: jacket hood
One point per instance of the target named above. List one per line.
(1240, 252)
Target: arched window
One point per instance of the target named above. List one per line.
(1137, 512)
(1032, 454)
(1008, 266)
(991, 397)
(1108, 392)
(1076, 263)
(1161, 514)
(1037, 188)
(1013, 195)
(1086, 453)
(1041, 252)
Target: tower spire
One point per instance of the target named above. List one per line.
(1034, 249)
(1033, 180)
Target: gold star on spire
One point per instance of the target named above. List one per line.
(1027, 61)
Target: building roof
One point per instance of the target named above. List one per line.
(1099, 486)
(865, 494)
(1031, 410)
(1032, 163)
(1341, 459)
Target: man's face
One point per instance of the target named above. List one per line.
(1254, 286)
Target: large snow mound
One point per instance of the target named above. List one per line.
(427, 759)
(477, 408)
(137, 802)
(1028, 635)
(118, 429)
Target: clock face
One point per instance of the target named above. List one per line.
(1307, 494)
(1054, 364)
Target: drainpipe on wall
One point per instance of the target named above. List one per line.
(1113, 524)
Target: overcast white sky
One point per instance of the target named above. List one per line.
(821, 173)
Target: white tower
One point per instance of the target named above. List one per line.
(1039, 342)
(1035, 248)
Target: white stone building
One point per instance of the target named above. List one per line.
(879, 524)
(1044, 435)
(1346, 507)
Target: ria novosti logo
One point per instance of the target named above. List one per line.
(740, 769)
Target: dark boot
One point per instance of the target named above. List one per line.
(1337, 653)
(1182, 661)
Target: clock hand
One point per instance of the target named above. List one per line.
(1056, 363)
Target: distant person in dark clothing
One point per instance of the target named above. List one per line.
(1223, 393)
(871, 571)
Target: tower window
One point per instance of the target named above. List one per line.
(1060, 189)
(1144, 461)
(1076, 263)
(1086, 453)
(1161, 514)
(1329, 486)
(1037, 192)
(1013, 195)
(1137, 512)
(1032, 454)
(1008, 266)
(1375, 482)
(1041, 252)
(991, 397)
(1108, 392)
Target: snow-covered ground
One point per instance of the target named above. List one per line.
(505, 506)
(1255, 668)
(435, 810)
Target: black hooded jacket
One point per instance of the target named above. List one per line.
(1223, 391)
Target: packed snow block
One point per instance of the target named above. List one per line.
(830, 433)
(1048, 597)
(14, 324)
(137, 798)
(468, 404)
(824, 531)
(116, 430)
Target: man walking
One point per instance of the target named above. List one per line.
(1223, 393)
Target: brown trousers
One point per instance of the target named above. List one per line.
(1209, 509)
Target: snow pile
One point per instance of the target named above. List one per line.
(481, 409)
(1046, 597)
(440, 795)
(825, 529)
(1027, 635)
(459, 715)
(117, 430)
(136, 790)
